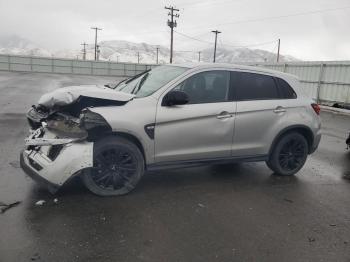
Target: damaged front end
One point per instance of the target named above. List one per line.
(60, 144)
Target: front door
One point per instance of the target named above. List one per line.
(201, 129)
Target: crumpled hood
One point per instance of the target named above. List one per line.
(67, 95)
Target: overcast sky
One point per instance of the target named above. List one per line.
(60, 24)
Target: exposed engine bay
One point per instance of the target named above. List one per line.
(66, 112)
(75, 121)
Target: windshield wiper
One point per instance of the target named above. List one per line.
(135, 76)
(128, 80)
(138, 87)
(123, 81)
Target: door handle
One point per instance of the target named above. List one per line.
(224, 115)
(279, 109)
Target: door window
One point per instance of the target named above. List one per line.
(251, 86)
(206, 87)
(285, 89)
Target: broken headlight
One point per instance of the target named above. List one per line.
(94, 124)
(66, 126)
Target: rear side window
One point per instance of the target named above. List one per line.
(251, 86)
(285, 89)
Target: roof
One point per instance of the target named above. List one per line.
(235, 66)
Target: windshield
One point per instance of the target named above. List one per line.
(149, 82)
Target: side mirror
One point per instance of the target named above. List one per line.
(174, 98)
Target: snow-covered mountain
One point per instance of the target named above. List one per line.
(15, 45)
(124, 51)
(119, 50)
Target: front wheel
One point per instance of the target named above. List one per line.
(289, 154)
(118, 167)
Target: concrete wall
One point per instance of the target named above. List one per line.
(327, 82)
(67, 66)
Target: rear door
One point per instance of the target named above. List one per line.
(260, 112)
(201, 129)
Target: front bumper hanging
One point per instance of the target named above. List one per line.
(54, 169)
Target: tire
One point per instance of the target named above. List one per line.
(289, 155)
(118, 167)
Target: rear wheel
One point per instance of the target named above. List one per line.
(118, 167)
(289, 154)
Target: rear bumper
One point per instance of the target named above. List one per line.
(53, 172)
(315, 143)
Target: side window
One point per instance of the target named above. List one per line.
(251, 86)
(206, 87)
(285, 89)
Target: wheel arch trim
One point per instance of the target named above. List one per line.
(133, 138)
(309, 135)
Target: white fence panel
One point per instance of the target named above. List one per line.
(327, 82)
(69, 66)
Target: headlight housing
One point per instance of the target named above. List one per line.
(66, 126)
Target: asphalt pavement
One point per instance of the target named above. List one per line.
(237, 212)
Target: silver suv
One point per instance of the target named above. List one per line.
(170, 116)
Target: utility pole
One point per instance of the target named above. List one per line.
(97, 52)
(172, 23)
(199, 56)
(278, 50)
(84, 50)
(216, 32)
(157, 54)
(96, 29)
(138, 57)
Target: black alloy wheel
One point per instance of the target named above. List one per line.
(289, 154)
(118, 166)
(292, 154)
(113, 169)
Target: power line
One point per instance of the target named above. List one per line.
(275, 17)
(193, 38)
(285, 16)
(185, 51)
(189, 4)
(251, 45)
(230, 45)
(273, 51)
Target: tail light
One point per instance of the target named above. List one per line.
(316, 108)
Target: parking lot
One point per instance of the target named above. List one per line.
(237, 212)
